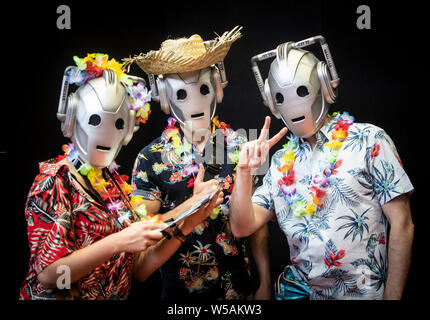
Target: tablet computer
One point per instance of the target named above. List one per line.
(190, 211)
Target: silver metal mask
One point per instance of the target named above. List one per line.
(295, 90)
(192, 98)
(299, 88)
(99, 120)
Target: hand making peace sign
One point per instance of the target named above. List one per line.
(253, 153)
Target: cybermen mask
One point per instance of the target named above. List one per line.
(103, 121)
(299, 88)
(192, 98)
(295, 91)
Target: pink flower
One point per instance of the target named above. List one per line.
(115, 205)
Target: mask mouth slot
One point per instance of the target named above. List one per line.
(299, 119)
(197, 115)
(103, 148)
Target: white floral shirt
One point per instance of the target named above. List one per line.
(342, 249)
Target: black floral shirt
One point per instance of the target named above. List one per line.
(211, 263)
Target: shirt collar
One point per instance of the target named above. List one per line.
(323, 134)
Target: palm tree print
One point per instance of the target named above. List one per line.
(356, 224)
(383, 181)
(187, 258)
(357, 138)
(343, 283)
(204, 253)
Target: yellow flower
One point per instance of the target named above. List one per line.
(339, 134)
(288, 156)
(135, 201)
(100, 184)
(334, 145)
(176, 141)
(115, 66)
(141, 211)
(310, 208)
(93, 175)
(90, 57)
(215, 121)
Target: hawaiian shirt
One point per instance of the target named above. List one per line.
(211, 263)
(61, 219)
(342, 249)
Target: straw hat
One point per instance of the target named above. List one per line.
(185, 54)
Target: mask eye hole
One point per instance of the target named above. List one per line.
(302, 91)
(204, 89)
(279, 98)
(181, 94)
(119, 124)
(94, 120)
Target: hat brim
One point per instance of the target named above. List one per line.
(167, 62)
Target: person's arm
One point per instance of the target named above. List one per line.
(138, 237)
(398, 213)
(246, 217)
(260, 252)
(149, 261)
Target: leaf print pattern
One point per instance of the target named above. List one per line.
(356, 225)
(306, 230)
(341, 192)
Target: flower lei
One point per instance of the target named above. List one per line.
(319, 182)
(108, 190)
(92, 66)
(188, 167)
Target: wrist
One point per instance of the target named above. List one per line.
(115, 243)
(178, 234)
(245, 174)
(244, 171)
(185, 228)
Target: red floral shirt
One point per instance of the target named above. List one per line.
(61, 218)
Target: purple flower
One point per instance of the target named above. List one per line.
(288, 190)
(113, 167)
(115, 205)
(190, 169)
(320, 180)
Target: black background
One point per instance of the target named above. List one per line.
(381, 72)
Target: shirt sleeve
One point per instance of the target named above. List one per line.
(144, 179)
(389, 178)
(49, 221)
(263, 195)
